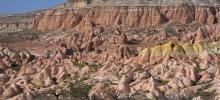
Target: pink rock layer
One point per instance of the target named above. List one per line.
(86, 18)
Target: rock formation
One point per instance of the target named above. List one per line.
(114, 50)
(144, 17)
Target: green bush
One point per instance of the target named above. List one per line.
(95, 66)
(78, 90)
(80, 65)
(163, 82)
(15, 66)
(169, 30)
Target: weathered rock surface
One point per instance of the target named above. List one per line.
(118, 52)
(144, 17)
(180, 51)
(141, 2)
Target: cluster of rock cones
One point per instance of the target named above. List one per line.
(117, 53)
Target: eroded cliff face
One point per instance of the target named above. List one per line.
(145, 17)
(123, 52)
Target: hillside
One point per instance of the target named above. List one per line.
(112, 50)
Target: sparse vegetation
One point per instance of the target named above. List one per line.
(77, 90)
(73, 89)
(95, 66)
(198, 69)
(82, 65)
(170, 30)
(163, 82)
(113, 93)
(15, 66)
(78, 64)
(200, 91)
(205, 95)
(143, 51)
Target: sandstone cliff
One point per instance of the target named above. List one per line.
(93, 3)
(143, 16)
(128, 51)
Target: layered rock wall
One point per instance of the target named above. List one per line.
(143, 16)
(180, 51)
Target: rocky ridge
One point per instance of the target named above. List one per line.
(144, 17)
(92, 3)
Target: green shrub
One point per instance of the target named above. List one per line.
(205, 95)
(163, 82)
(80, 65)
(15, 66)
(78, 90)
(169, 30)
(95, 66)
